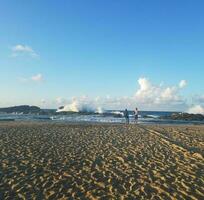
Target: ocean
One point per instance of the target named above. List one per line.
(109, 116)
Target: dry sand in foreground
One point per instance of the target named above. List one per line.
(59, 161)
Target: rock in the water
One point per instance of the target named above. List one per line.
(184, 116)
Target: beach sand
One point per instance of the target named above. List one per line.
(101, 161)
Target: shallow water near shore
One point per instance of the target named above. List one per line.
(145, 117)
(100, 161)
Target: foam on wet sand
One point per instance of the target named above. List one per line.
(101, 161)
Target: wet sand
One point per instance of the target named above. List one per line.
(84, 161)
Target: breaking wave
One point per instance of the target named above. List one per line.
(81, 106)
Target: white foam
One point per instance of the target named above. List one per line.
(81, 106)
(118, 113)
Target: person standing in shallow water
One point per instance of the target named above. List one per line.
(126, 115)
(136, 115)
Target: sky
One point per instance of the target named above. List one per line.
(112, 54)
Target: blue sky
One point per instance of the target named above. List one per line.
(99, 48)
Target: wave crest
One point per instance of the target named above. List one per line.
(80, 106)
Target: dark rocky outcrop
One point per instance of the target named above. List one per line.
(24, 109)
(61, 107)
(184, 116)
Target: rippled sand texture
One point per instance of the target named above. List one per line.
(58, 161)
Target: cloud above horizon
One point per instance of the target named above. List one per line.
(182, 84)
(196, 109)
(23, 50)
(149, 93)
(147, 97)
(37, 78)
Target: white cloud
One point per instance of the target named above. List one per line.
(144, 84)
(20, 50)
(147, 97)
(150, 94)
(196, 109)
(146, 91)
(169, 94)
(182, 83)
(37, 78)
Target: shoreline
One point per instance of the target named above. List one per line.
(99, 123)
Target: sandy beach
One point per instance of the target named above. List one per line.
(101, 161)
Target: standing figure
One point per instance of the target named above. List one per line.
(136, 115)
(126, 115)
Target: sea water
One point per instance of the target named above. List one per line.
(109, 116)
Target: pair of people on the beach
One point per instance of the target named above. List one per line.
(126, 115)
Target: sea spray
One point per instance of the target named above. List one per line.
(81, 106)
